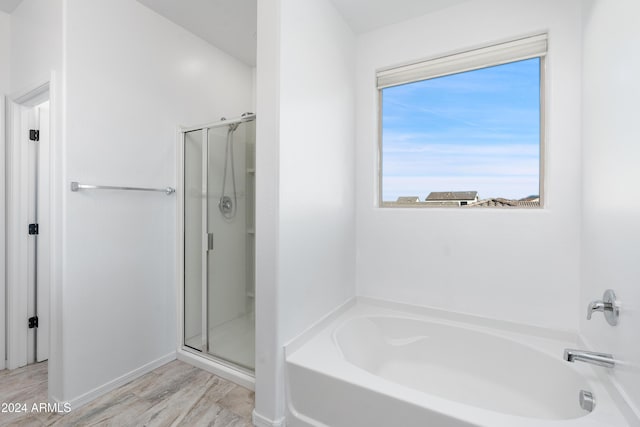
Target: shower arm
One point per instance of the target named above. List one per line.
(246, 117)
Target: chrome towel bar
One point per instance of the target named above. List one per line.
(75, 186)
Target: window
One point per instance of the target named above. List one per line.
(465, 129)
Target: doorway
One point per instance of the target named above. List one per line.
(28, 228)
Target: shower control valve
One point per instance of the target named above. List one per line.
(225, 205)
(608, 305)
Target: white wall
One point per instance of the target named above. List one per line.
(317, 235)
(36, 43)
(5, 51)
(5, 25)
(611, 157)
(269, 388)
(36, 58)
(521, 266)
(310, 84)
(132, 78)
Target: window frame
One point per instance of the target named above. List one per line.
(542, 131)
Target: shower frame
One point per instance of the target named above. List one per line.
(201, 360)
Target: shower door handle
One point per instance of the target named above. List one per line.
(209, 241)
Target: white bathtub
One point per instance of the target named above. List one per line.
(375, 365)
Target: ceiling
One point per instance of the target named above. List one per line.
(9, 6)
(367, 15)
(227, 24)
(231, 24)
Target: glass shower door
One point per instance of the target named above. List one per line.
(231, 326)
(195, 254)
(219, 243)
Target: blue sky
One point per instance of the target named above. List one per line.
(473, 131)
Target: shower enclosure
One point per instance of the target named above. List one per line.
(218, 193)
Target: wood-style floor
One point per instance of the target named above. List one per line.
(176, 394)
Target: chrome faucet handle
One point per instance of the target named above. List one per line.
(595, 306)
(608, 305)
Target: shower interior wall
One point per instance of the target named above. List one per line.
(230, 293)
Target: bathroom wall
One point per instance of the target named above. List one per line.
(521, 266)
(305, 180)
(36, 43)
(5, 23)
(5, 44)
(611, 155)
(316, 163)
(132, 78)
(269, 367)
(36, 57)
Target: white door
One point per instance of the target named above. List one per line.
(32, 124)
(27, 250)
(37, 119)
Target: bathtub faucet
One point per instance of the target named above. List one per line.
(597, 306)
(608, 305)
(600, 359)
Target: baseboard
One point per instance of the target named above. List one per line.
(262, 421)
(85, 398)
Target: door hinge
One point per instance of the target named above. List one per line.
(33, 229)
(209, 241)
(34, 135)
(33, 322)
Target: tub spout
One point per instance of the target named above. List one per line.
(600, 359)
